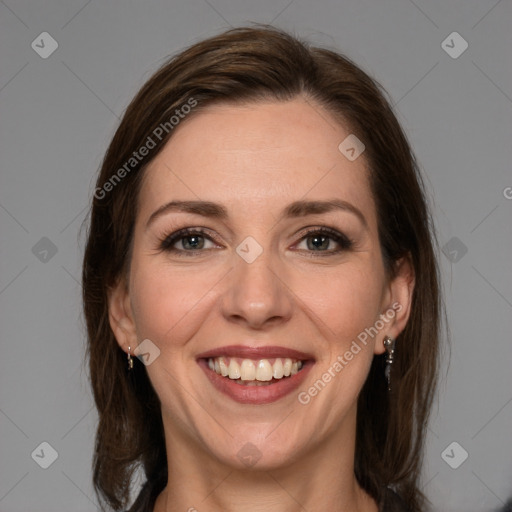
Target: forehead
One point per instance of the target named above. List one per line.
(261, 155)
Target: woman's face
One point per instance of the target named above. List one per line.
(279, 272)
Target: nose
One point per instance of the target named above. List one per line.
(256, 296)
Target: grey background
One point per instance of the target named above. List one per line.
(58, 115)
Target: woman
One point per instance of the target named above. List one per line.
(260, 288)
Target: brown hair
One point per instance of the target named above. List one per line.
(242, 65)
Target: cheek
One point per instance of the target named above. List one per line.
(346, 301)
(346, 304)
(169, 303)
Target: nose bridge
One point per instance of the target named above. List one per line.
(255, 294)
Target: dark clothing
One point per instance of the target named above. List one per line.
(146, 500)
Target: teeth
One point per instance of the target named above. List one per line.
(264, 371)
(278, 369)
(234, 369)
(287, 367)
(249, 370)
(224, 370)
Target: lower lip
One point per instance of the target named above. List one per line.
(256, 395)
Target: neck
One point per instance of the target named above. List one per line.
(321, 479)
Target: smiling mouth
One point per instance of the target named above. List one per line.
(255, 372)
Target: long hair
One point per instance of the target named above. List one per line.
(246, 65)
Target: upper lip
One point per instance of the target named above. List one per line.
(248, 352)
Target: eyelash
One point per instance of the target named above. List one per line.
(166, 244)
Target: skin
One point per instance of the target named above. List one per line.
(255, 160)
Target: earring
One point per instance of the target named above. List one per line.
(389, 345)
(130, 360)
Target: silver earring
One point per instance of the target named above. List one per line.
(389, 345)
(130, 360)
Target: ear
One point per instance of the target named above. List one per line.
(397, 302)
(120, 316)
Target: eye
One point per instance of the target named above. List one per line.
(324, 240)
(187, 240)
(190, 241)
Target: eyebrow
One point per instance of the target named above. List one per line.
(296, 209)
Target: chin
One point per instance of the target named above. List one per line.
(256, 448)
